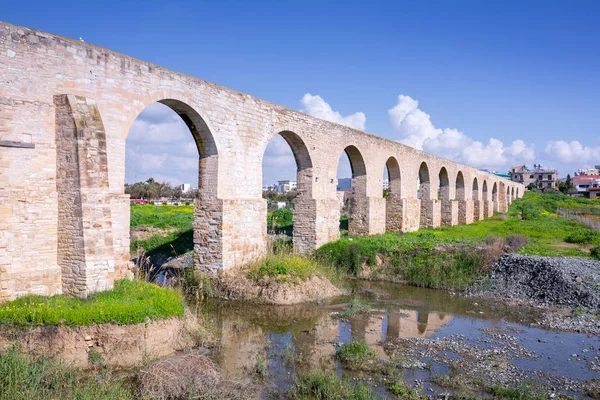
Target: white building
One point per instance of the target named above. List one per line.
(286, 186)
(185, 187)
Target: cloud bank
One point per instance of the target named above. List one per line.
(414, 127)
(317, 107)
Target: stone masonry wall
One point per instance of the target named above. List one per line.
(41, 230)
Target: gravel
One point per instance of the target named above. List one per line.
(548, 281)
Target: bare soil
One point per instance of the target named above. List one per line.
(235, 284)
(117, 345)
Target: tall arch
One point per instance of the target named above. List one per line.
(393, 208)
(304, 217)
(465, 211)
(208, 208)
(358, 205)
(485, 200)
(427, 203)
(495, 197)
(508, 198)
(512, 195)
(449, 215)
(477, 209)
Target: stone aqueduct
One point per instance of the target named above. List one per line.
(66, 108)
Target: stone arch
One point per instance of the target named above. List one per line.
(304, 217)
(393, 168)
(444, 182)
(208, 208)
(424, 182)
(512, 194)
(460, 186)
(393, 202)
(477, 209)
(495, 197)
(427, 203)
(508, 198)
(358, 205)
(448, 212)
(465, 212)
(485, 199)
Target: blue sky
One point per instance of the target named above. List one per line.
(524, 71)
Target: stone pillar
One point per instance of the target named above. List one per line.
(243, 233)
(366, 215)
(85, 236)
(488, 208)
(478, 211)
(327, 225)
(449, 212)
(412, 214)
(394, 213)
(431, 213)
(466, 210)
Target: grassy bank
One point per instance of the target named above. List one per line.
(130, 302)
(453, 257)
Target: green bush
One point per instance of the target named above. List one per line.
(283, 218)
(130, 302)
(595, 252)
(354, 350)
(585, 236)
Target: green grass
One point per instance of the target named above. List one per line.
(176, 221)
(23, 377)
(163, 217)
(353, 351)
(284, 268)
(328, 386)
(519, 393)
(414, 258)
(130, 302)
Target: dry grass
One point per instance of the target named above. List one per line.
(190, 376)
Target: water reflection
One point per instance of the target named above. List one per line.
(296, 339)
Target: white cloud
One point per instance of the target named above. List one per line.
(160, 145)
(317, 107)
(572, 152)
(415, 129)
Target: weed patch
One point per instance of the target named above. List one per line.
(23, 377)
(320, 386)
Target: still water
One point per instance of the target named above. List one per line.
(436, 330)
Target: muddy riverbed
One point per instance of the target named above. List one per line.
(443, 343)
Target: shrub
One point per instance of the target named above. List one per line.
(595, 252)
(354, 350)
(583, 235)
(516, 242)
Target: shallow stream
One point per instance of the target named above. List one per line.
(431, 333)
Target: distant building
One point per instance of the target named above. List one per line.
(386, 184)
(286, 186)
(583, 183)
(588, 171)
(270, 188)
(541, 177)
(185, 187)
